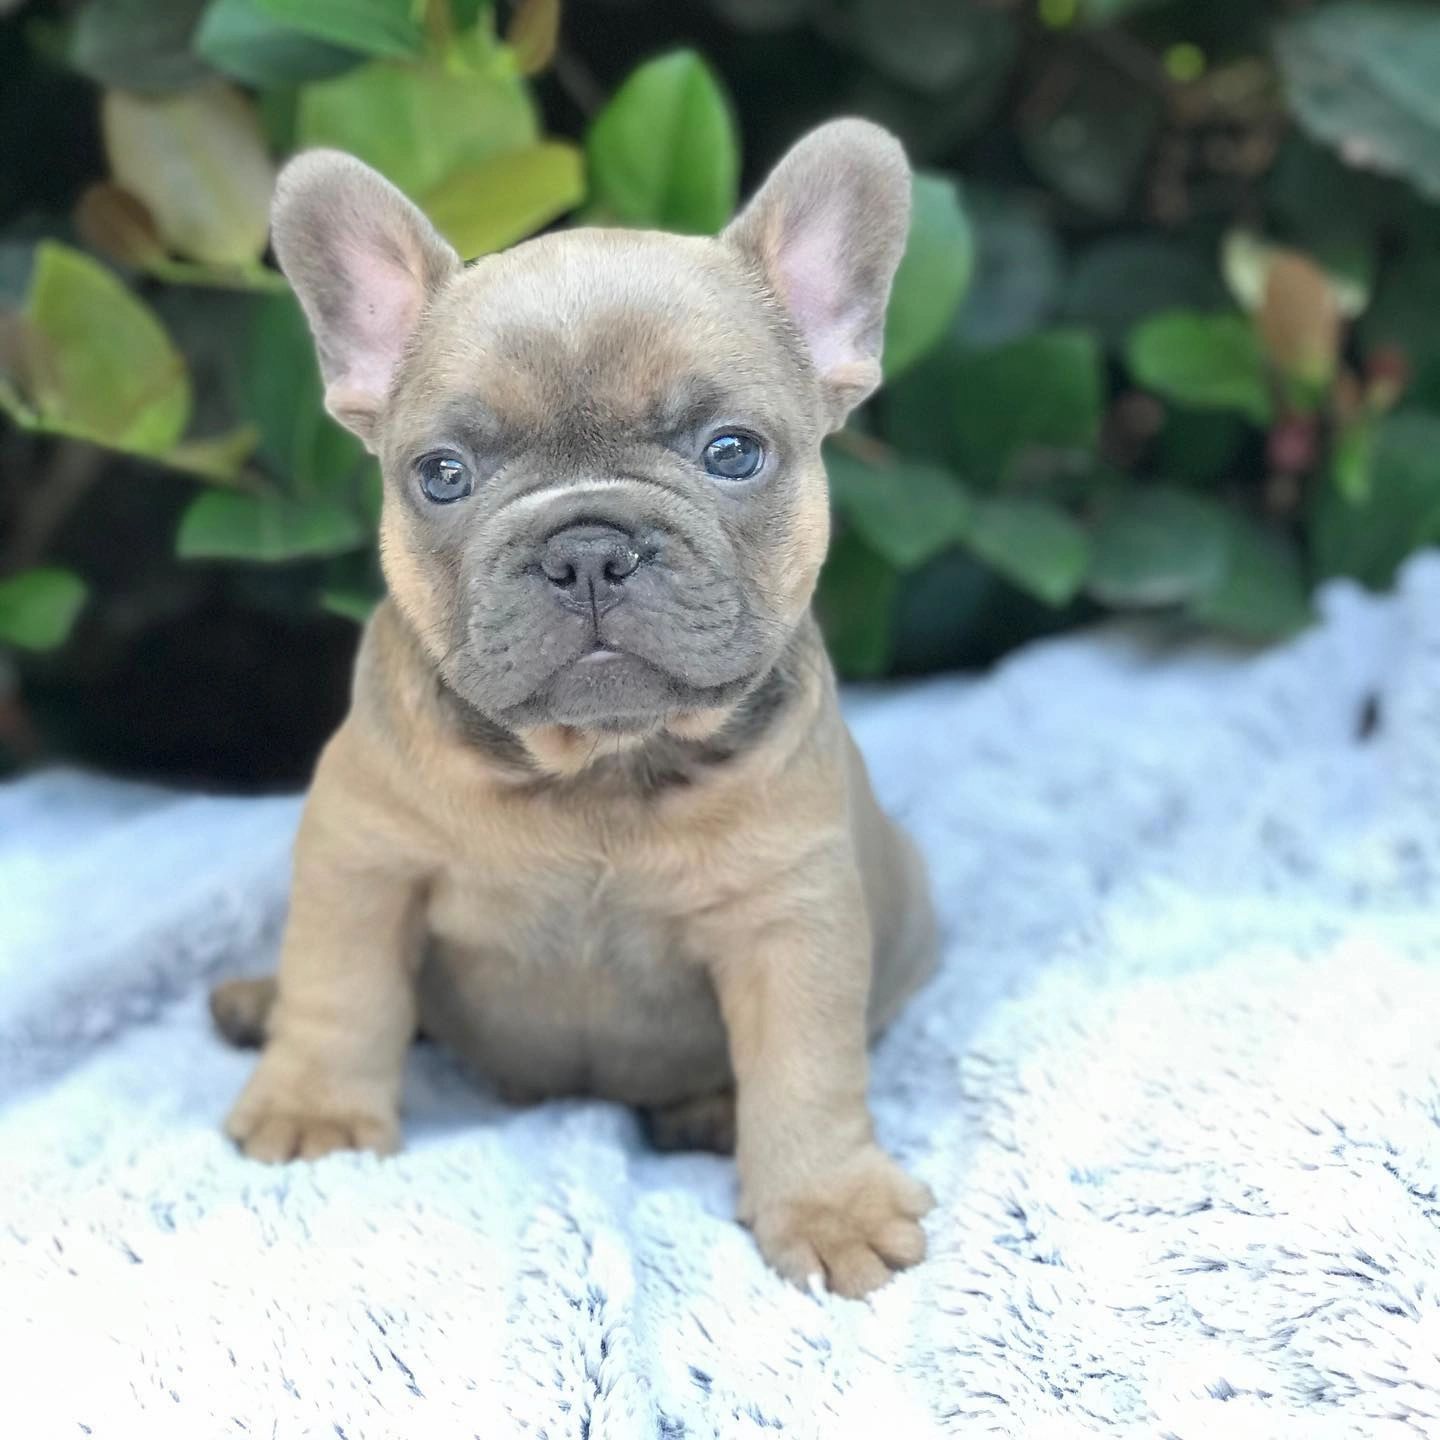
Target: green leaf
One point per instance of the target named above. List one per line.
(353, 585)
(304, 448)
(907, 513)
(244, 40)
(257, 277)
(38, 608)
(140, 44)
(1324, 205)
(1208, 362)
(418, 124)
(14, 406)
(1361, 77)
(914, 412)
(1018, 268)
(218, 458)
(100, 365)
(198, 163)
(371, 493)
(958, 612)
(1369, 539)
(933, 274)
(1157, 546)
(357, 604)
(979, 411)
(485, 207)
(385, 28)
(1117, 283)
(1261, 593)
(233, 525)
(664, 152)
(533, 35)
(1352, 460)
(1199, 446)
(1045, 390)
(1032, 543)
(465, 13)
(1404, 310)
(856, 605)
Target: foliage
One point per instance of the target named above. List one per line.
(1160, 340)
(663, 152)
(37, 607)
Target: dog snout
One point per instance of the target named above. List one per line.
(589, 564)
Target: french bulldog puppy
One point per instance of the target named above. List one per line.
(594, 820)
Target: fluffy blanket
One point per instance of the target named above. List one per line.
(1177, 1088)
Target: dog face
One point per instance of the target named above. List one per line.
(605, 506)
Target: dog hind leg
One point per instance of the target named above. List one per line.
(241, 1010)
(705, 1123)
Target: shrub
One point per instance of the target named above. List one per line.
(1166, 346)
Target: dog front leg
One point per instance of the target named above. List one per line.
(819, 1194)
(344, 1015)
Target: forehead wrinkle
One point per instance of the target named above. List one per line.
(685, 403)
(622, 374)
(544, 493)
(469, 420)
(601, 331)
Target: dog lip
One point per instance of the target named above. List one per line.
(600, 654)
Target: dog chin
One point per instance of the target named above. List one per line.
(609, 691)
(612, 692)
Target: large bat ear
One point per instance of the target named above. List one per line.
(826, 232)
(363, 261)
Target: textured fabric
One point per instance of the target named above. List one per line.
(1177, 1088)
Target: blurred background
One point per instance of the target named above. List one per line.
(1163, 339)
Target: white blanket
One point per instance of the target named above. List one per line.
(1177, 1089)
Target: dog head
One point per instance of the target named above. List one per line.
(605, 507)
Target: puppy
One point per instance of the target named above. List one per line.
(594, 819)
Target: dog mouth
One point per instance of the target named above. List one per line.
(611, 689)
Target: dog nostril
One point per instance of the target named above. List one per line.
(558, 572)
(621, 565)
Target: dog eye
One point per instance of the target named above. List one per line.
(444, 479)
(734, 456)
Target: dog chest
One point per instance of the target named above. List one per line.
(577, 916)
(570, 983)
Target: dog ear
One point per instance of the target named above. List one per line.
(363, 261)
(827, 230)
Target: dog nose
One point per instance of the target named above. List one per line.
(589, 561)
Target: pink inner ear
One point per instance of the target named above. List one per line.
(816, 280)
(386, 296)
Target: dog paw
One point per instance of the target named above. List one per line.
(275, 1124)
(854, 1227)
